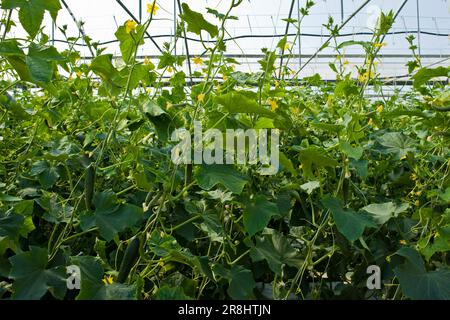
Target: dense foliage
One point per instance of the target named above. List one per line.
(86, 176)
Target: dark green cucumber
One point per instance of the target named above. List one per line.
(89, 186)
(129, 259)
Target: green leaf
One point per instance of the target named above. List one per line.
(367, 45)
(109, 216)
(196, 22)
(236, 102)
(445, 195)
(92, 286)
(169, 293)
(352, 152)
(102, 66)
(350, 223)
(31, 15)
(10, 226)
(240, 280)
(315, 156)
(10, 47)
(397, 143)
(31, 12)
(31, 277)
(276, 250)
(128, 42)
(40, 62)
(440, 243)
(47, 174)
(425, 74)
(210, 175)
(382, 212)
(257, 214)
(418, 283)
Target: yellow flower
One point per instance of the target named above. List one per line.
(380, 108)
(225, 77)
(346, 62)
(273, 104)
(108, 280)
(370, 123)
(79, 74)
(403, 242)
(363, 77)
(379, 45)
(169, 69)
(130, 26)
(287, 46)
(169, 105)
(201, 97)
(277, 83)
(147, 61)
(197, 60)
(152, 8)
(403, 158)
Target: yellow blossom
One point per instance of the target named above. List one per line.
(363, 77)
(370, 123)
(403, 158)
(130, 26)
(273, 104)
(108, 280)
(380, 108)
(169, 105)
(379, 45)
(225, 77)
(403, 242)
(152, 8)
(346, 62)
(79, 74)
(287, 46)
(169, 69)
(197, 60)
(277, 83)
(147, 61)
(201, 97)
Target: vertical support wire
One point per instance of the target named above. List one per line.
(186, 44)
(175, 25)
(299, 36)
(418, 28)
(286, 31)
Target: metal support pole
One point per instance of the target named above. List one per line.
(186, 44)
(418, 27)
(140, 11)
(53, 33)
(78, 24)
(342, 11)
(299, 36)
(175, 25)
(285, 34)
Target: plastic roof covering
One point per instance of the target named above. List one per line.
(260, 25)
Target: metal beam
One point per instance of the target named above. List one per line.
(78, 24)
